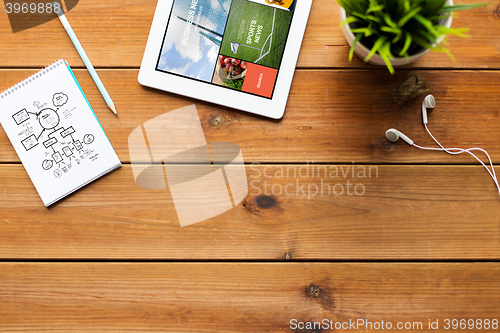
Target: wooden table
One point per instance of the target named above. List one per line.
(422, 242)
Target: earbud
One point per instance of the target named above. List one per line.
(428, 103)
(393, 135)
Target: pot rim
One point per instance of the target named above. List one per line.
(347, 29)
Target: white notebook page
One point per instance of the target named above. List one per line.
(55, 132)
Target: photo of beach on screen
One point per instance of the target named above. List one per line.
(193, 38)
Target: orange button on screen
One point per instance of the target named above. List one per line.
(259, 80)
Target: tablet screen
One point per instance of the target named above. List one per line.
(237, 44)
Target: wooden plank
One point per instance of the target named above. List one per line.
(114, 34)
(403, 212)
(332, 116)
(244, 297)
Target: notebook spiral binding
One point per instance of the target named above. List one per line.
(30, 79)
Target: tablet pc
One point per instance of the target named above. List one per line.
(237, 53)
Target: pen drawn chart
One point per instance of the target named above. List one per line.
(48, 127)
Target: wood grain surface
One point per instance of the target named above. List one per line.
(208, 297)
(103, 258)
(385, 212)
(114, 34)
(326, 119)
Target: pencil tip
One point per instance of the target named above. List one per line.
(112, 107)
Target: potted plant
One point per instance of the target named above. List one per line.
(397, 32)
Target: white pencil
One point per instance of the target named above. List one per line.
(84, 57)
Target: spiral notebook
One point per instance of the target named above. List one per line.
(55, 132)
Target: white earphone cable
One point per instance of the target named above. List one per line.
(456, 151)
(429, 102)
(492, 173)
(470, 149)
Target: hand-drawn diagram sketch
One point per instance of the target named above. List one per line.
(61, 144)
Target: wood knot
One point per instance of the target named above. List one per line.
(324, 296)
(265, 201)
(216, 121)
(497, 11)
(262, 205)
(407, 85)
(219, 121)
(304, 128)
(314, 291)
(288, 256)
(386, 144)
(410, 88)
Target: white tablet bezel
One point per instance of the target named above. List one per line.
(273, 108)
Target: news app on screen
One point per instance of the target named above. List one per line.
(237, 44)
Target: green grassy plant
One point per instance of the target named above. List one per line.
(396, 28)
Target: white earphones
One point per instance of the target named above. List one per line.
(393, 135)
(429, 103)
